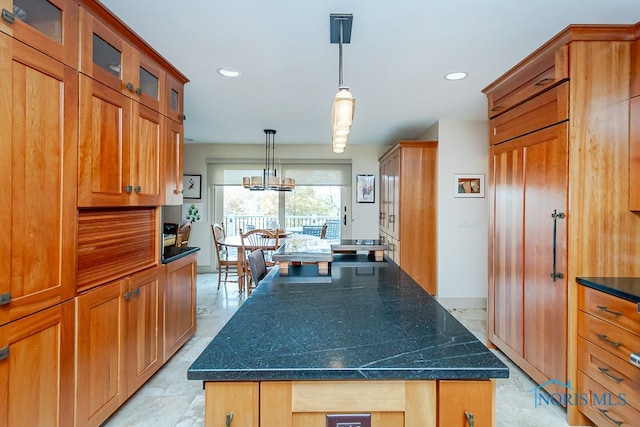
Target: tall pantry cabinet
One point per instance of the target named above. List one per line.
(53, 253)
(559, 195)
(38, 115)
(408, 208)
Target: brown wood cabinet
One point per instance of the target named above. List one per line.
(634, 154)
(390, 403)
(408, 208)
(529, 181)
(119, 149)
(608, 333)
(577, 167)
(82, 136)
(36, 368)
(119, 343)
(179, 301)
(38, 165)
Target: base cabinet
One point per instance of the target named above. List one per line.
(119, 343)
(179, 303)
(36, 368)
(393, 403)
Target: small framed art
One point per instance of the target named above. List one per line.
(365, 188)
(192, 187)
(468, 185)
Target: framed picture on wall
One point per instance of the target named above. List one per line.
(365, 188)
(468, 185)
(192, 186)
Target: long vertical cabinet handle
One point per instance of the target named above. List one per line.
(229, 419)
(555, 275)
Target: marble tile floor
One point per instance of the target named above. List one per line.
(170, 400)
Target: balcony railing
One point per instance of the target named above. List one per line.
(235, 223)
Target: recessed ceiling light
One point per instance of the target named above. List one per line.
(456, 75)
(228, 72)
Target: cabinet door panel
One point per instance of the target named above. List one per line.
(458, 398)
(173, 149)
(145, 156)
(43, 131)
(143, 346)
(545, 299)
(101, 381)
(39, 369)
(104, 161)
(50, 26)
(106, 56)
(505, 293)
(179, 303)
(634, 152)
(6, 120)
(174, 99)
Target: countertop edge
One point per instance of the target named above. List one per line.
(173, 253)
(600, 284)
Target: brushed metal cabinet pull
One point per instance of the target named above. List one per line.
(229, 419)
(138, 189)
(605, 371)
(4, 353)
(606, 310)
(8, 16)
(128, 188)
(604, 414)
(5, 298)
(543, 81)
(555, 274)
(604, 338)
(470, 419)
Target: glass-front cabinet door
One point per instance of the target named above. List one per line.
(113, 61)
(106, 56)
(50, 26)
(150, 83)
(174, 104)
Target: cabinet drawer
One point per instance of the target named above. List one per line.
(527, 80)
(615, 340)
(614, 310)
(617, 375)
(603, 408)
(544, 110)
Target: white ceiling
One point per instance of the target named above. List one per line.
(395, 64)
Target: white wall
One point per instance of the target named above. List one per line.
(364, 160)
(463, 147)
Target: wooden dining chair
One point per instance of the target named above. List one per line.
(258, 238)
(226, 262)
(258, 268)
(182, 234)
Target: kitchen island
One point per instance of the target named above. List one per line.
(370, 342)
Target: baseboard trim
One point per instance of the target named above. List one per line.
(452, 302)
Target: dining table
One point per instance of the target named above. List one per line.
(267, 244)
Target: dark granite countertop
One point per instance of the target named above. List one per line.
(624, 287)
(172, 253)
(371, 323)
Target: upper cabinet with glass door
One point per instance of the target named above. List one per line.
(50, 26)
(175, 99)
(110, 59)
